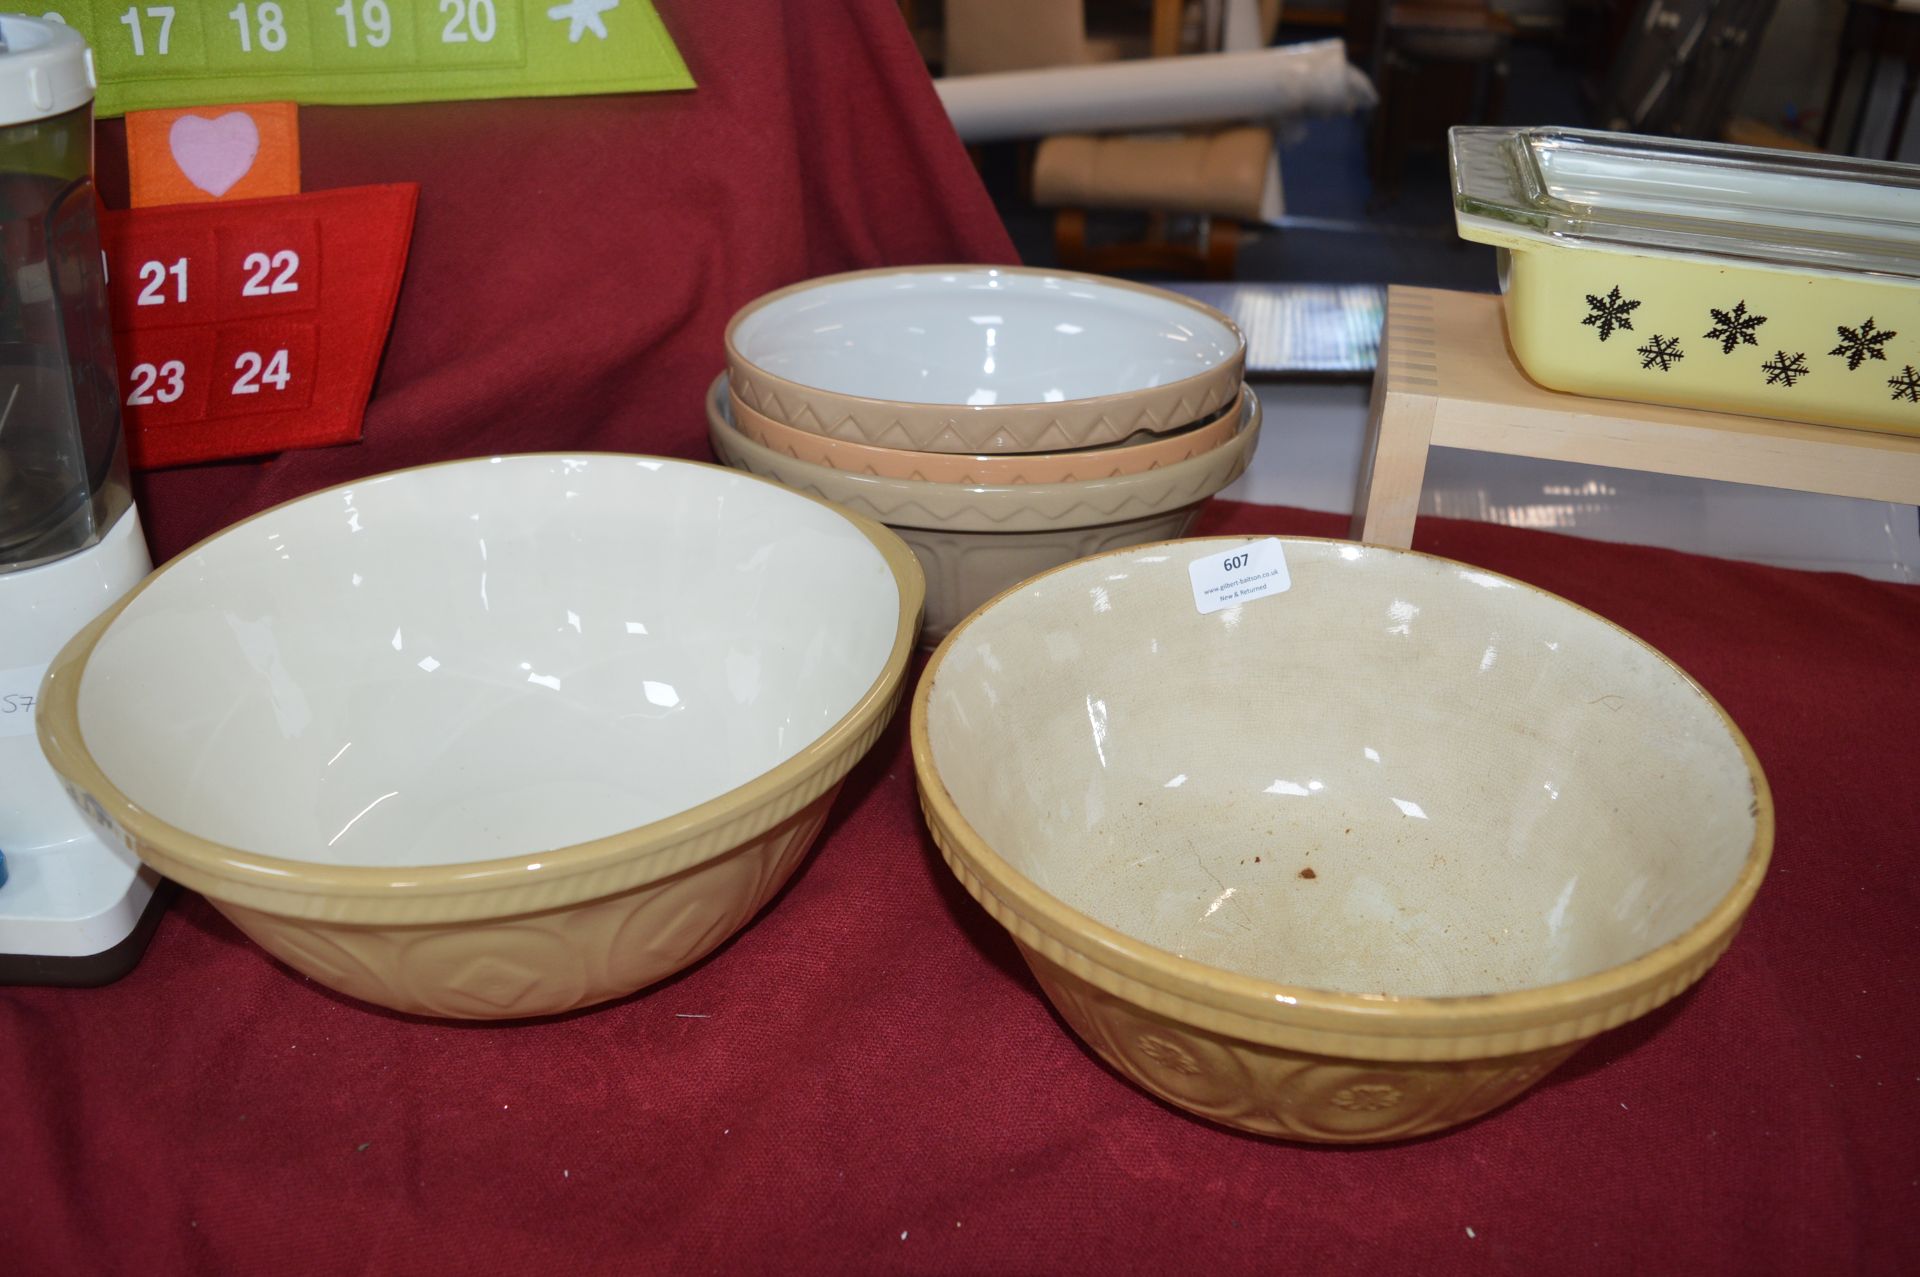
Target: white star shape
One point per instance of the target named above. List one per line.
(584, 15)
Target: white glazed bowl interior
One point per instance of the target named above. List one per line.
(486, 658)
(1402, 776)
(982, 337)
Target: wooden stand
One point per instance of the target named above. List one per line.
(1446, 378)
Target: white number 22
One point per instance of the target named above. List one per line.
(286, 261)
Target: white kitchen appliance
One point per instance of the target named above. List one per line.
(74, 908)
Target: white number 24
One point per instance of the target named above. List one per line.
(253, 371)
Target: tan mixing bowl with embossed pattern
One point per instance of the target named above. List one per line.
(492, 738)
(1356, 861)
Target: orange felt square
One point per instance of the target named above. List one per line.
(213, 153)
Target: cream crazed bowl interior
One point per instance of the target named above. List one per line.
(486, 658)
(1402, 776)
(982, 337)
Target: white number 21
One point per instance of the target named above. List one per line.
(154, 276)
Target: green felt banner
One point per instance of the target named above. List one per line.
(205, 52)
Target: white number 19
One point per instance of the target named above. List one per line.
(374, 16)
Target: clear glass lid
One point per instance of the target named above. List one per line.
(1794, 209)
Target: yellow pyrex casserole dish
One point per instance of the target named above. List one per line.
(1734, 278)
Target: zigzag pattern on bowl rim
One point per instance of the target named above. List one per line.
(1137, 455)
(1056, 427)
(1028, 507)
(1019, 427)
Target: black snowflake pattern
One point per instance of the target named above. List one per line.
(1610, 312)
(1662, 353)
(1906, 385)
(1733, 327)
(1857, 345)
(1784, 369)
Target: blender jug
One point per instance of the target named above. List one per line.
(63, 471)
(70, 542)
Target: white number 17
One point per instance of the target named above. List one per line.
(161, 13)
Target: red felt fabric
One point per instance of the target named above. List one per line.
(867, 1079)
(341, 251)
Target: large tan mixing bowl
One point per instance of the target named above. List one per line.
(494, 738)
(1354, 861)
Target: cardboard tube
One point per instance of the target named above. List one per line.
(1157, 93)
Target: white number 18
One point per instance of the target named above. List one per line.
(272, 22)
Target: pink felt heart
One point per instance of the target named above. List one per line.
(214, 154)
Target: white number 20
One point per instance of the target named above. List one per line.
(477, 17)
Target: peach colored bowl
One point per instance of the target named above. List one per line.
(1144, 452)
(982, 359)
(470, 740)
(973, 542)
(1359, 860)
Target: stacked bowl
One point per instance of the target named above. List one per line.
(1002, 420)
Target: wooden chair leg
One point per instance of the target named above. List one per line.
(1393, 464)
(1070, 237)
(1496, 91)
(1389, 496)
(1223, 247)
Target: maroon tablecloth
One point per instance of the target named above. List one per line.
(867, 1079)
